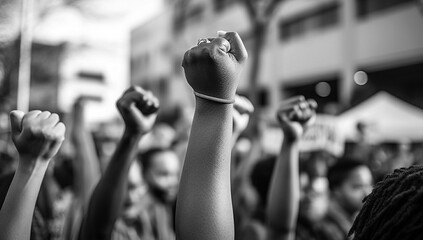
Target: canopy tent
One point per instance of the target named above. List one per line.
(387, 119)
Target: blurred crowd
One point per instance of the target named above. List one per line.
(160, 175)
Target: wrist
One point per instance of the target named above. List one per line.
(134, 133)
(229, 100)
(290, 140)
(29, 164)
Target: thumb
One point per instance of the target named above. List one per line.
(16, 117)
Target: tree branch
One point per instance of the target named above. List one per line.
(271, 8)
(251, 9)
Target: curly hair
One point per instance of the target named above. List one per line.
(394, 209)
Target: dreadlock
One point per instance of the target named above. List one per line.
(394, 209)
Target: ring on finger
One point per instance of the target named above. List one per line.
(202, 40)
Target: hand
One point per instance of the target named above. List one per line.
(295, 115)
(242, 110)
(138, 109)
(212, 68)
(37, 134)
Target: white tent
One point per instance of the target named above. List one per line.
(388, 118)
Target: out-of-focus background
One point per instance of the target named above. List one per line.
(362, 60)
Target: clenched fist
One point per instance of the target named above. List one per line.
(37, 134)
(242, 110)
(212, 67)
(138, 109)
(295, 115)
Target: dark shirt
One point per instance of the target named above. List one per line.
(149, 219)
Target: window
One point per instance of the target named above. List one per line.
(93, 76)
(367, 7)
(220, 5)
(317, 19)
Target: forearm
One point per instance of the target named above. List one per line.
(283, 203)
(107, 199)
(204, 209)
(86, 164)
(18, 208)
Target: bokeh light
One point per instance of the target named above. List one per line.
(360, 78)
(323, 89)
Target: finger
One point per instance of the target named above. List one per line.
(29, 116)
(150, 108)
(60, 130)
(52, 120)
(298, 113)
(202, 41)
(289, 103)
(303, 105)
(312, 103)
(237, 47)
(130, 97)
(295, 99)
(16, 117)
(134, 88)
(222, 44)
(44, 115)
(149, 103)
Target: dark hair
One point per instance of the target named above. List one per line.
(146, 158)
(261, 176)
(340, 171)
(394, 209)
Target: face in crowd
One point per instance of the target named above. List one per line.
(162, 174)
(354, 188)
(313, 197)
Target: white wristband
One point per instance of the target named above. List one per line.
(214, 99)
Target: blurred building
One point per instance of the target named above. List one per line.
(313, 48)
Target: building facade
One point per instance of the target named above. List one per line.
(313, 48)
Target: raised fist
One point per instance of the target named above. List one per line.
(212, 67)
(295, 114)
(37, 134)
(242, 110)
(138, 109)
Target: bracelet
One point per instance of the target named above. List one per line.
(214, 99)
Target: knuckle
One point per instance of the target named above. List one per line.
(232, 34)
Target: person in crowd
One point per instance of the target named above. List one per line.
(204, 206)
(244, 198)
(37, 136)
(350, 181)
(138, 109)
(393, 210)
(84, 167)
(152, 215)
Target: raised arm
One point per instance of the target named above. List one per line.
(86, 163)
(37, 136)
(204, 207)
(282, 209)
(138, 109)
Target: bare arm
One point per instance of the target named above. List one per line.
(204, 207)
(284, 195)
(138, 109)
(37, 136)
(86, 163)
